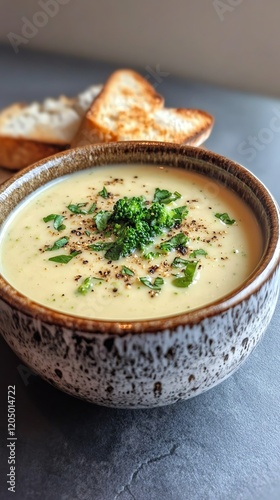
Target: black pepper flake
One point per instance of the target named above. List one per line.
(115, 290)
(153, 269)
(182, 250)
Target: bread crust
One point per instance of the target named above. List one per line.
(16, 154)
(31, 132)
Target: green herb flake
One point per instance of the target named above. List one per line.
(179, 213)
(156, 285)
(86, 286)
(126, 270)
(102, 245)
(78, 208)
(115, 251)
(91, 209)
(165, 196)
(50, 217)
(179, 262)
(225, 218)
(197, 252)
(187, 279)
(151, 255)
(57, 221)
(104, 193)
(58, 244)
(64, 259)
(102, 219)
(176, 241)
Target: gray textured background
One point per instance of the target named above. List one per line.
(222, 445)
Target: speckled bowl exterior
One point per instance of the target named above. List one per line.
(153, 362)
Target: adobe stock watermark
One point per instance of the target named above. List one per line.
(30, 27)
(155, 76)
(25, 373)
(223, 7)
(256, 143)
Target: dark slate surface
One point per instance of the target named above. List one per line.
(224, 444)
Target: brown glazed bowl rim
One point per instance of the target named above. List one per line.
(262, 273)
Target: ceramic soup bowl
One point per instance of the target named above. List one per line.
(151, 362)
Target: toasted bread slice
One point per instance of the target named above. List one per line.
(128, 108)
(31, 132)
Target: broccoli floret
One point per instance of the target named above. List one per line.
(144, 234)
(129, 209)
(134, 224)
(159, 218)
(129, 239)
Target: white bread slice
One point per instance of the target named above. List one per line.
(31, 132)
(128, 108)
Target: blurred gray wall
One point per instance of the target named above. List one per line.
(230, 42)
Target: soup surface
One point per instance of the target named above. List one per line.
(53, 247)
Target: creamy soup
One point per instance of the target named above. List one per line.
(53, 247)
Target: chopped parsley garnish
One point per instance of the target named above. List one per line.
(79, 208)
(115, 251)
(187, 279)
(151, 255)
(57, 221)
(64, 259)
(104, 193)
(102, 245)
(165, 196)
(197, 252)
(179, 262)
(101, 219)
(156, 285)
(87, 285)
(179, 213)
(58, 244)
(179, 240)
(225, 218)
(126, 270)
